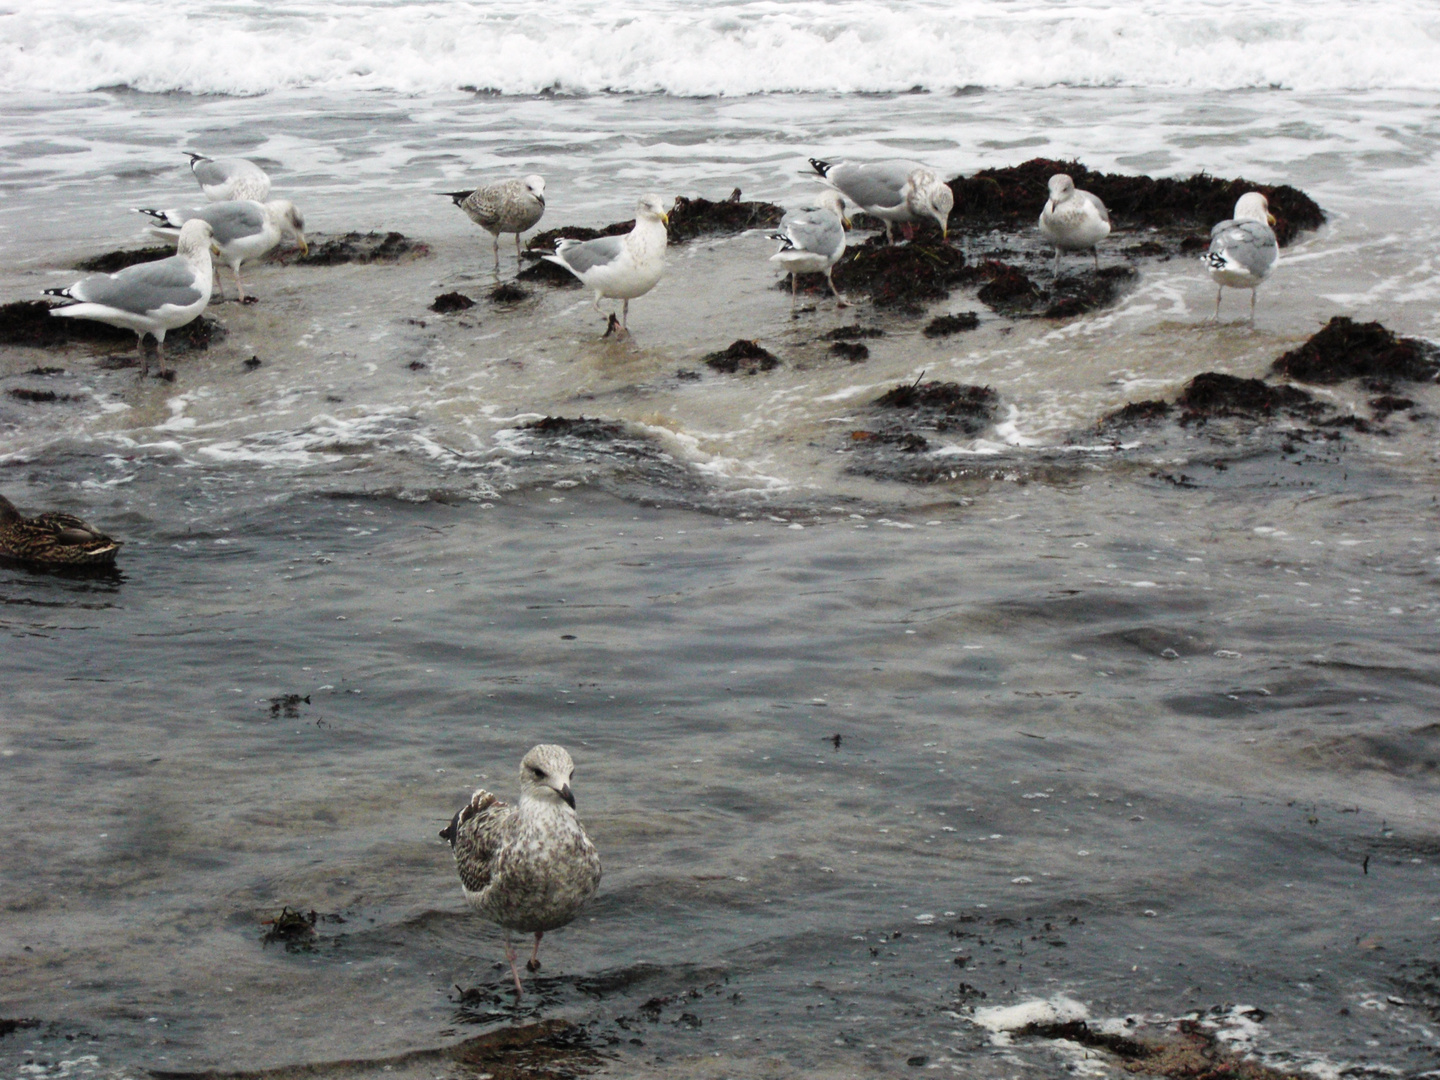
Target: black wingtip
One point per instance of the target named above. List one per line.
(59, 292)
(194, 157)
(457, 196)
(821, 167)
(451, 831)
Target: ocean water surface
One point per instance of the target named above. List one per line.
(886, 754)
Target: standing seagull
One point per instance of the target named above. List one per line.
(812, 241)
(620, 267)
(1243, 250)
(150, 297)
(893, 191)
(1073, 219)
(52, 539)
(244, 229)
(223, 179)
(511, 206)
(529, 867)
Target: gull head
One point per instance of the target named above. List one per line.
(545, 774)
(195, 236)
(1254, 207)
(652, 207)
(536, 186)
(1061, 188)
(834, 202)
(290, 220)
(932, 198)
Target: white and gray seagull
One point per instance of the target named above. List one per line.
(148, 298)
(620, 267)
(1073, 220)
(812, 241)
(1243, 251)
(530, 868)
(896, 192)
(511, 206)
(243, 229)
(223, 179)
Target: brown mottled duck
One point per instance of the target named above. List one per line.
(52, 539)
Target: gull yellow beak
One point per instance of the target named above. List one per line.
(1271, 218)
(304, 245)
(666, 219)
(845, 222)
(214, 248)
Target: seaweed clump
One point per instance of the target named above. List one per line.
(112, 261)
(371, 247)
(1212, 394)
(29, 322)
(945, 406)
(1344, 349)
(692, 218)
(549, 1048)
(576, 427)
(1011, 291)
(946, 325)
(903, 276)
(854, 351)
(22, 393)
(1012, 197)
(508, 293)
(743, 355)
(1196, 1055)
(451, 301)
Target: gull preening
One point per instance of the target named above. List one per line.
(223, 179)
(148, 298)
(511, 206)
(620, 267)
(1073, 220)
(529, 868)
(896, 192)
(1243, 250)
(243, 229)
(812, 241)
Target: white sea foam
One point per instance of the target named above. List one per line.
(688, 48)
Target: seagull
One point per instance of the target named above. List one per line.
(52, 539)
(1073, 219)
(1243, 250)
(244, 229)
(511, 206)
(223, 179)
(620, 267)
(529, 867)
(150, 297)
(893, 191)
(812, 241)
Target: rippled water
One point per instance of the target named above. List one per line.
(1146, 729)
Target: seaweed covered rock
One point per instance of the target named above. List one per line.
(508, 293)
(113, 261)
(1136, 412)
(29, 322)
(445, 303)
(355, 247)
(946, 325)
(945, 406)
(1013, 197)
(852, 333)
(576, 427)
(903, 276)
(1213, 394)
(1344, 349)
(743, 355)
(854, 351)
(1009, 290)
(697, 217)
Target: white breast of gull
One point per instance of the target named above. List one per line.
(528, 868)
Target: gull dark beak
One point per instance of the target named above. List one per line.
(567, 796)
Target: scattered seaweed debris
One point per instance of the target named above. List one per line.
(29, 322)
(451, 301)
(46, 371)
(1386, 404)
(253, 363)
(555, 1049)
(1344, 349)
(742, 356)
(908, 442)
(852, 333)
(1136, 412)
(1211, 394)
(9, 1026)
(1012, 197)
(417, 365)
(287, 705)
(853, 351)
(113, 261)
(355, 247)
(23, 393)
(290, 926)
(947, 405)
(903, 276)
(576, 427)
(946, 325)
(508, 293)
(692, 218)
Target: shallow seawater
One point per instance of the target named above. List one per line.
(1139, 726)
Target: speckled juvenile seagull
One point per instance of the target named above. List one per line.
(529, 867)
(1243, 250)
(511, 206)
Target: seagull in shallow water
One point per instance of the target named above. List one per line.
(1243, 250)
(151, 297)
(511, 206)
(893, 191)
(620, 267)
(223, 179)
(1073, 219)
(529, 867)
(244, 229)
(812, 241)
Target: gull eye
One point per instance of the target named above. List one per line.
(536, 772)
